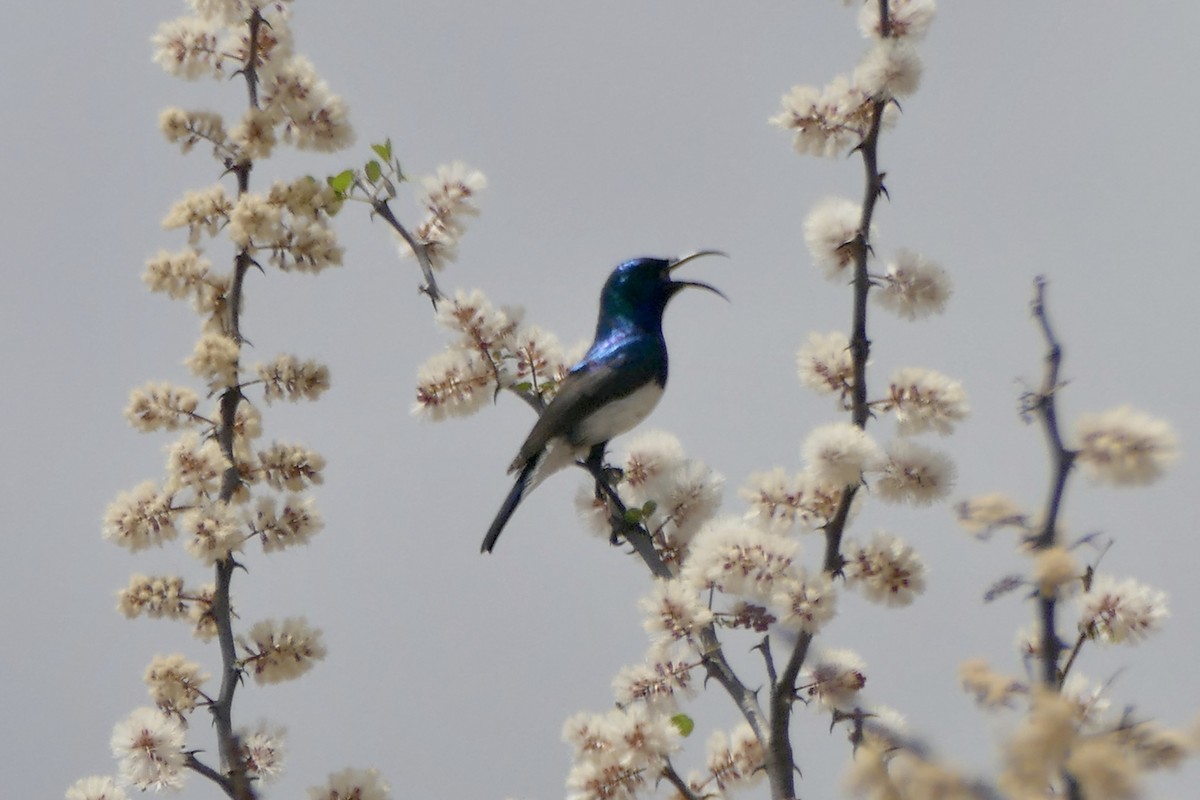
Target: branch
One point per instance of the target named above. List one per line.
(1042, 404)
(381, 207)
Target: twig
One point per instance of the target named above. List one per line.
(1043, 405)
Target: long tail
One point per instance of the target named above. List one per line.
(510, 505)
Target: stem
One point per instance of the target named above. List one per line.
(1042, 404)
(780, 759)
(233, 779)
(430, 288)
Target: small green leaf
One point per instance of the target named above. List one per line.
(524, 386)
(633, 516)
(684, 724)
(342, 181)
(373, 170)
(384, 150)
(649, 507)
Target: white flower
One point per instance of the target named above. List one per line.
(215, 359)
(657, 681)
(141, 518)
(97, 787)
(892, 68)
(483, 326)
(825, 364)
(829, 230)
(1121, 612)
(833, 680)
(673, 611)
(907, 18)
(1089, 698)
(450, 194)
(291, 466)
(149, 746)
(352, 784)
(734, 557)
(161, 406)
(187, 47)
(455, 382)
(686, 497)
(282, 651)
(537, 360)
(924, 399)
(1125, 447)
(913, 287)
(215, 532)
(886, 570)
(254, 222)
(156, 597)
(263, 752)
(314, 118)
(288, 378)
(778, 501)
(604, 777)
(296, 523)
(650, 456)
(826, 121)
(805, 602)
(1055, 572)
(839, 453)
(200, 211)
(914, 474)
(735, 761)
(174, 683)
(643, 735)
(981, 515)
(177, 274)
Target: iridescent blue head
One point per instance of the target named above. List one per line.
(637, 291)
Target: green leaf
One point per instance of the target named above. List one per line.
(384, 150)
(373, 170)
(633, 516)
(649, 507)
(342, 181)
(684, 724)
(524, 386)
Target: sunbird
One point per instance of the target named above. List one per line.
(617, 384)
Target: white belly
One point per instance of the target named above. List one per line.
(614, 419)
(619, 416)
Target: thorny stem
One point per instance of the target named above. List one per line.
(233, 778)
(679, 783)
(381, 207)
(1042, 403)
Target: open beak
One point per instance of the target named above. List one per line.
(679, 262)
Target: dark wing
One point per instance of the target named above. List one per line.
(586, 388)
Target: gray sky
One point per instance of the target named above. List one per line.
(1050, 138)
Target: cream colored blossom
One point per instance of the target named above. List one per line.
(174, 683)
(1125, 447)
(281, 651)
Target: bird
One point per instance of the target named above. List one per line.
(614, 387)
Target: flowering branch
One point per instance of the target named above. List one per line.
(213, 471)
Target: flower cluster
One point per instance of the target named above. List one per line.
(492, 350)
(448, 198)
(618, 752)
(828, 121)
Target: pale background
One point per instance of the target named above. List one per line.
(1048, 137)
